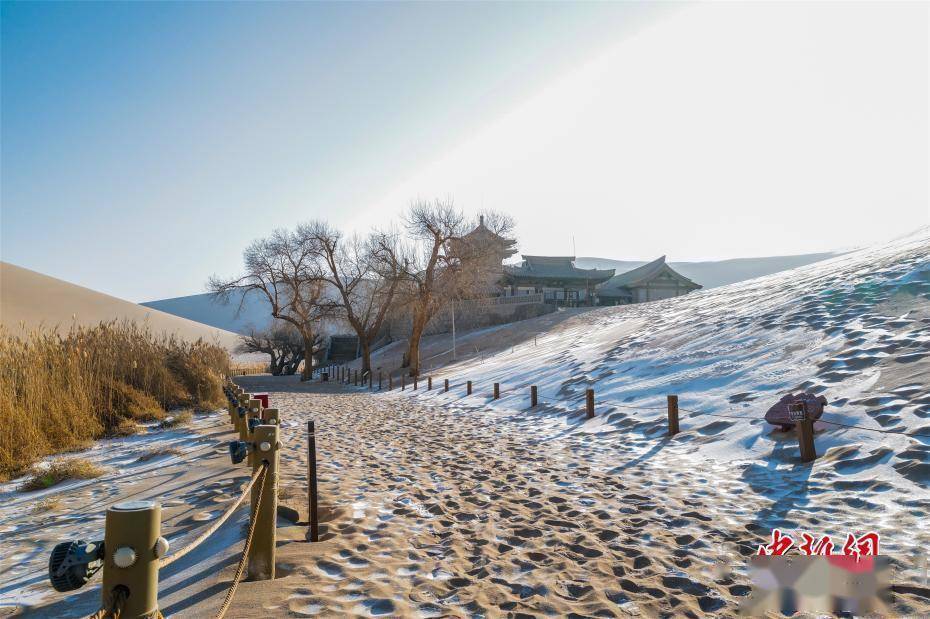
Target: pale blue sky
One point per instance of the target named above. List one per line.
(144, 144)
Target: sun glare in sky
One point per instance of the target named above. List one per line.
(724, 130)
(145, 144)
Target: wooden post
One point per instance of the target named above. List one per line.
(356, 378)
(446, 386)
(497, 390)
(806, 440)
(312, 495)
(131, 532)
(254, 412)
(533, 396)
(266, 447)
(468, 388)
(403, 382)
(271, 416)
(379, 380)
(371, 380)
(415, 378)
(589, 402)
(672, 415)
(429, 383)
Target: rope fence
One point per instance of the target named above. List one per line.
(803, 423)
(129, 559)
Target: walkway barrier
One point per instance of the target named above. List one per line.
(133, 550)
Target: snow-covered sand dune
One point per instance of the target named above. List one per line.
(855, 329)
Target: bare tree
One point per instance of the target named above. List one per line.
(284, 269)
(283, 344)
(427, 268)
(366, 283)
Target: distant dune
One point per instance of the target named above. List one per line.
(255, 312)
(30, 299)
(715, 273)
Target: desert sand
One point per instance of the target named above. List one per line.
(29, 300)
(439, 504)
(456, 510)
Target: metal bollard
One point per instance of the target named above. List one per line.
(497, 391)
(133, 545)
(468, 388)
(589, 403)
(266, 447)
(534, 396)
(673, 415)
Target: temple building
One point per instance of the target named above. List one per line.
(557, 278)
(483, 252)
(650, 282)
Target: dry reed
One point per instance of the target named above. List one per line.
(59, 470)
(58, 391)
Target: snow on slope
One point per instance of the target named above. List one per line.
(855, 328)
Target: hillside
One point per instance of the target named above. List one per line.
(714, 273)
(29, 299)
(255, 312)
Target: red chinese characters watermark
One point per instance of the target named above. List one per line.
(865, 545)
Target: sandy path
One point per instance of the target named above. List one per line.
(463, 511)
(460, 510)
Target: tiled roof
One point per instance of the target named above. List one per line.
(555, 267)
(640, 275)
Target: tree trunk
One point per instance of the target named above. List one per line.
(366, 354)
(308, 353)
(275, 364)
(413, 348)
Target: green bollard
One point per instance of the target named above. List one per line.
(133, 545)
(266, 447)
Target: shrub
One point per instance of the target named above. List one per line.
(60, 470)
(177, 420)
(59, 391)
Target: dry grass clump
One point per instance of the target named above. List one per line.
(158, 452)
(177, 420)
(61, 470)
(48, 504)
(59, 391)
